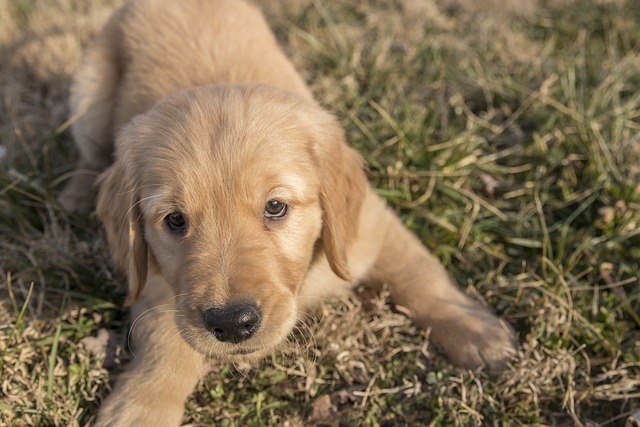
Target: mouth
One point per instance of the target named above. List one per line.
(244, 352)
(243, 356)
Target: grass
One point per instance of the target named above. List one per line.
(506, 135)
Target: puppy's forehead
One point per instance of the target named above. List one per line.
(229, 140)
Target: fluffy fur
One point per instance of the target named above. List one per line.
(210, 120)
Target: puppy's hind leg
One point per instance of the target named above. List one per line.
(467, 333)
(92, 103)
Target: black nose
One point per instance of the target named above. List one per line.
(233, 323)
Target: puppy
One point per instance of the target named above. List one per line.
(233, 203)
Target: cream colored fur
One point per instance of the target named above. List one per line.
(210, 119)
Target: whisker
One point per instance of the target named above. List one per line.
(153, 196)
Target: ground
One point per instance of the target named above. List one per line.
(505, 134)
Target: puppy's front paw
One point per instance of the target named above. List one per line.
(119, 411)
(475, 338)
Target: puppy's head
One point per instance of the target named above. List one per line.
(230, 193)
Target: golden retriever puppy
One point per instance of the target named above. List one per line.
(233, 203)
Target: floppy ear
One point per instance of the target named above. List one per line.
(342, 190)
(119, 211)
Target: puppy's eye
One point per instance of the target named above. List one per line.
(275, 209)
(176, 222)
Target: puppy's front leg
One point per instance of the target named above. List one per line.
(164, 372)
(467, 333)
